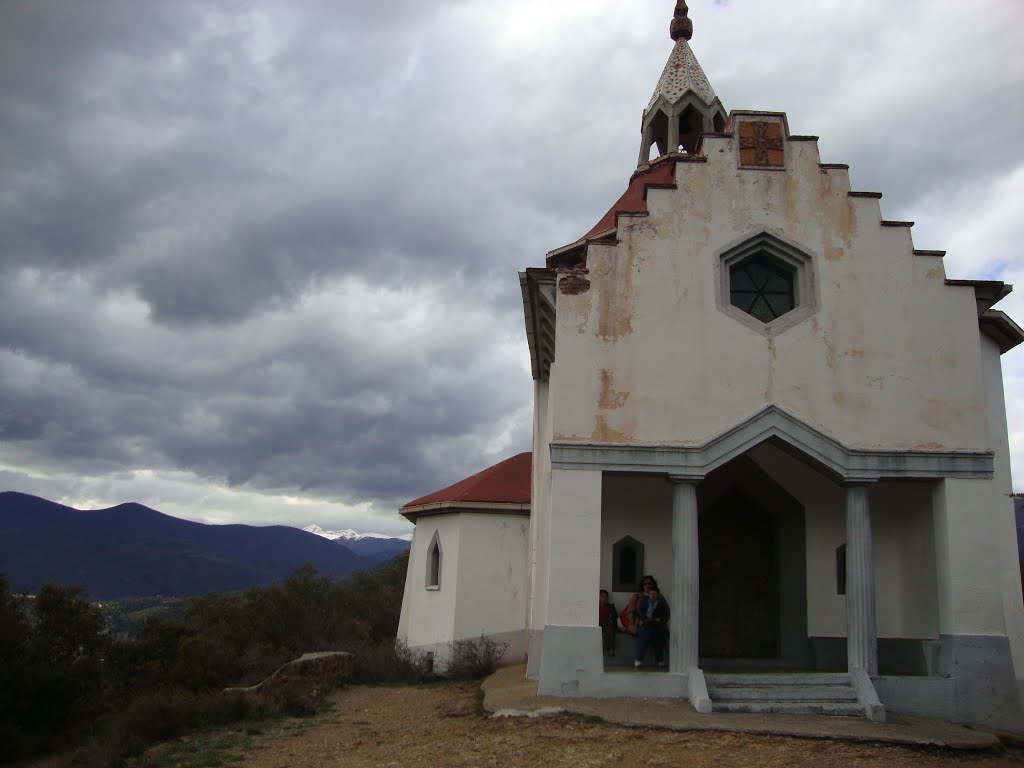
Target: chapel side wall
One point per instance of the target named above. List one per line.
(538, 505)
(1004, 523)
(640, 507)
(540, 523)
(492, 580)
(645, 355)
(428, 615)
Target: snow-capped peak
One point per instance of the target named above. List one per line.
(349, 535)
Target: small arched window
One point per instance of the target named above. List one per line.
(627, 564)
(434, 563)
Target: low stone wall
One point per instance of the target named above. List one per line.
(330, 669)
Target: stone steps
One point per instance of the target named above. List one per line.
(812, 693)
(827, 708)
(782, 693)
(776, 678)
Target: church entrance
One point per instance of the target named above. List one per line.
(738, 581)
(753, 581)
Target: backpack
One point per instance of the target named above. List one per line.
(627, 620)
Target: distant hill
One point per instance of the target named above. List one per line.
(375, 546)
(134, 551)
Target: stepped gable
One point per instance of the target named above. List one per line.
(634, 200)
(502, 487)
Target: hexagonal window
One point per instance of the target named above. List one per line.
(766, 284)
(762, 287)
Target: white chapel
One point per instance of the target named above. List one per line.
(751, 385)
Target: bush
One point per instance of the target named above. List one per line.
(390, 663)
(64, 680)
(474, 657)
(160, 716)
(51, 668)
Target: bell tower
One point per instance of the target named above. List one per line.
(684, 105)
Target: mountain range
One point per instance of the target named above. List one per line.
(371, 545)
(131, 550)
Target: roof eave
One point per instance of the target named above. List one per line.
(1001, 328)
(452, 507)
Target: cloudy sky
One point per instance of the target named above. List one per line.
(258, 258)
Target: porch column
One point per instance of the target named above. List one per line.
(683, 622)
(861, 635)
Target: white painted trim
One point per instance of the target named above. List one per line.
(844, 464)
(444, 507)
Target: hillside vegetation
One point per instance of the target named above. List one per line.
(67, 684)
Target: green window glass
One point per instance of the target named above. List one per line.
(761, 288)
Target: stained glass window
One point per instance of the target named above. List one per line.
(761, 288)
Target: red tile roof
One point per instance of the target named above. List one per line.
(634, 199)
(507, 482)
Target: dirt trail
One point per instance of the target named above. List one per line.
(440, 725)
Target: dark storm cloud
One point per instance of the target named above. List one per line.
(273, 246)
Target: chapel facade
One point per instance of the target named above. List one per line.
(750, 384)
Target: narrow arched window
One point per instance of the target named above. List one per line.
(627, 564)
(434, 563)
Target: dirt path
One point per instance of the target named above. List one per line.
(441, 725)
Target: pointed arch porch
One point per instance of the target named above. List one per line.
(852, 470)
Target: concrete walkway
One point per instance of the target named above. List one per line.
(508, 693)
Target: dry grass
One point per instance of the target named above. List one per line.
(440, 725)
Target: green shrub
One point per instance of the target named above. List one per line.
(63, 678)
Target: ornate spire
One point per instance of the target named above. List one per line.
(681, 26)
(684, 104)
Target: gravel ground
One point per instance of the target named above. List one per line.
(442, 725)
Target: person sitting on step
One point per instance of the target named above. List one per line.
(606, 620)
(652, 629)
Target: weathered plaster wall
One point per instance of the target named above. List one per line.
(483, 585)
(1005, 529)
(575, 559)
(970, 570)
(492, 579)
(540, 526)
(428, 615)
(890, 359)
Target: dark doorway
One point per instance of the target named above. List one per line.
(739, 583)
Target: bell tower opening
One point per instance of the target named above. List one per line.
(691, 126)
(656, 139)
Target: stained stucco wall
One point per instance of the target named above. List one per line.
(428, 615)
(575, 548)
(540, 509)
(1004, 525)
(492, 577)
(890, 359)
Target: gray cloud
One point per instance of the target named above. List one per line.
(258, 252)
